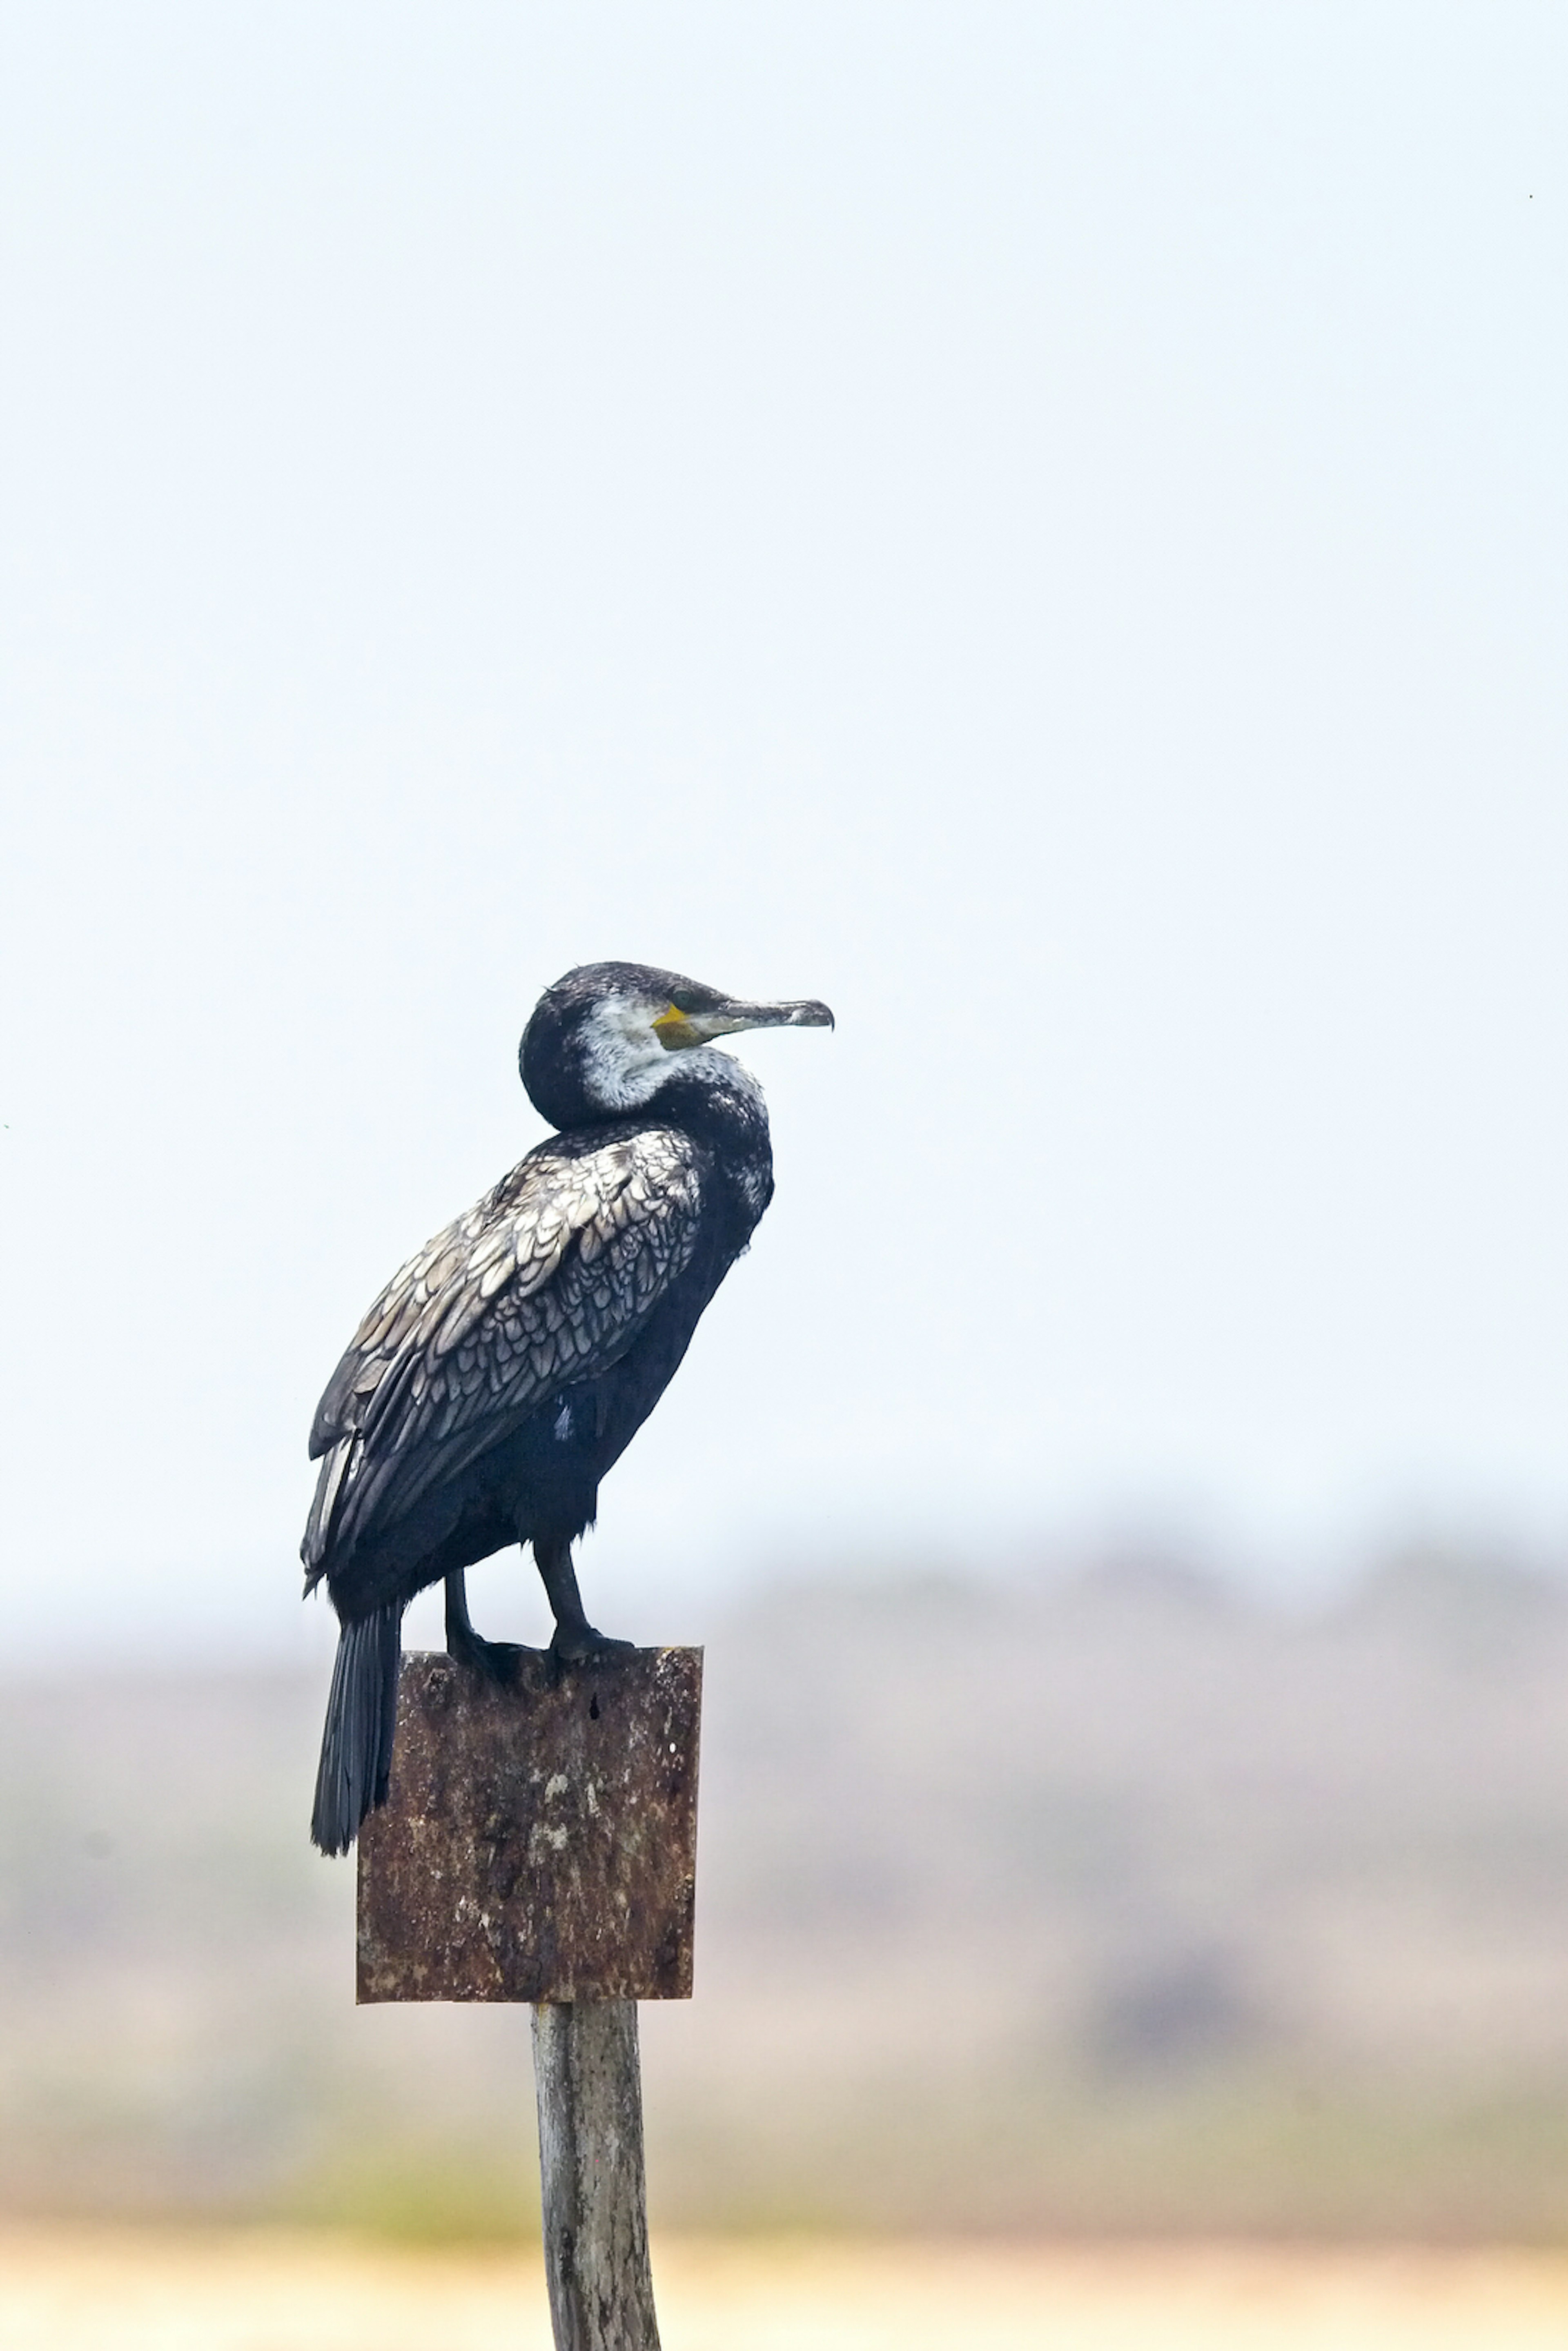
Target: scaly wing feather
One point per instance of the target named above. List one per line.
(547, 1280)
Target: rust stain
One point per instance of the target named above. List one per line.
(539, 1842)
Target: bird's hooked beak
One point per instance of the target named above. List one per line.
(676, 1029)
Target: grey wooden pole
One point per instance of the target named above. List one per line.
(590, 2093)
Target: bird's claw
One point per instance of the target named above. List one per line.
(584, 1645)
(499, 1661)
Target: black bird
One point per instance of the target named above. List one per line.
(504, 1369)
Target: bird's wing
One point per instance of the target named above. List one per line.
(547, 1280)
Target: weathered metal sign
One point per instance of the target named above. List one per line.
(539, 1842)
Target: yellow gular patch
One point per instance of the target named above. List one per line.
(672, 1030)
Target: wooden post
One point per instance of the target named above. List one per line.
(540, 1844)
(589, 2093)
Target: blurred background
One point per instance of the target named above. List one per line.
(1041, 524)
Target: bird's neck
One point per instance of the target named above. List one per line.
(714, 1099)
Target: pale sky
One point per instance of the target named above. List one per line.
(1043, 525)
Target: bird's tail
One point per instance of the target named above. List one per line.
(361, 1715)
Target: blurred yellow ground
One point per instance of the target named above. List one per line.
(93, 2291)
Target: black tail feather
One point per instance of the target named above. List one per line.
(361, 1715)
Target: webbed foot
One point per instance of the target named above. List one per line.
(584, 1645)
(499, 1661)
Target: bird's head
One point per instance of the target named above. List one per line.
(603, 1041)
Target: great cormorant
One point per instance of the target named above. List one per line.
(503, 1370)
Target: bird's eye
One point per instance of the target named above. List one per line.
(684, 999)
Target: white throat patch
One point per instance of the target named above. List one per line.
(624, 1064)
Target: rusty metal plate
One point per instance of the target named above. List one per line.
(539, 1842)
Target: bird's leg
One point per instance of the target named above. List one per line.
(497, 1660)
(575, 1638)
